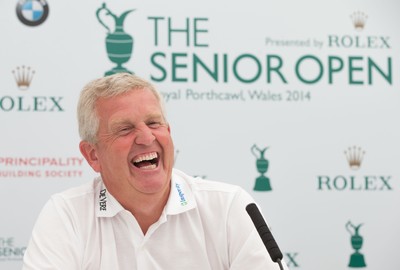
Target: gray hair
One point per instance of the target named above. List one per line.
(114, 85)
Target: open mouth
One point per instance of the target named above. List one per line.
(146, 161)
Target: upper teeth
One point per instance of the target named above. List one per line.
(148, 156)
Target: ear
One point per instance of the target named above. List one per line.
(90, 154)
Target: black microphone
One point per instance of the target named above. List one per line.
(265, 234)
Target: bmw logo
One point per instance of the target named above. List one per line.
(32, 12)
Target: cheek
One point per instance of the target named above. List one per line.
(121, 143)
(117, 149)
(164, 138)
(169, 147)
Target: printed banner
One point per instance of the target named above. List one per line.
(297, 102)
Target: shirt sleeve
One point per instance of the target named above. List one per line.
(246, 249)
(54, 240)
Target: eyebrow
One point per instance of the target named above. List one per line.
(121, 122)
(118, 122)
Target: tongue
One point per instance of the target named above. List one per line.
(143, 164)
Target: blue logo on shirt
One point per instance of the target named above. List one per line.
(181, 195)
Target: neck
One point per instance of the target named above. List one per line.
(146, 208)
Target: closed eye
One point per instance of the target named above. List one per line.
(124, 130)
(154, 124)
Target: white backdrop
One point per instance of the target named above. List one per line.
(295, 78)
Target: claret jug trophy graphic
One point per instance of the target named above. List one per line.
(262, 182)
(119, 44)
(356, 259)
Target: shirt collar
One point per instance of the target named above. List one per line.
(106, 204)
(180, 199)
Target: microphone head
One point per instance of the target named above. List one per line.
(264, 232)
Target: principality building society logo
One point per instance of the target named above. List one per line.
(32, 12)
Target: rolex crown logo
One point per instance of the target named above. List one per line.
(354, 157)
(359, 19)
(23, 77)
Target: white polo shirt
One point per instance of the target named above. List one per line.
(203, 226)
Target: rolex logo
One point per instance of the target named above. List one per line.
(354, 157)
(359, 19)
(354, 181)
(23, 77)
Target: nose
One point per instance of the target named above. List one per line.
(144, 135)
